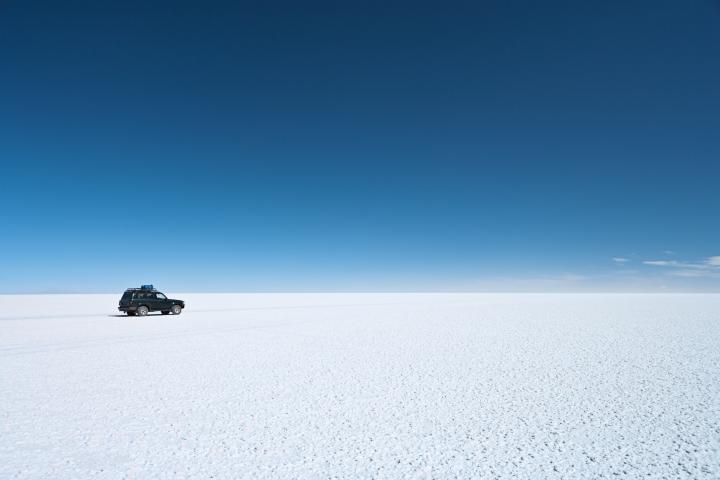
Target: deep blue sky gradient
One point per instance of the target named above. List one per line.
(245, 146)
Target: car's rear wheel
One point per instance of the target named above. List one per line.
(176, 309)
(142, 311)
(165, 312)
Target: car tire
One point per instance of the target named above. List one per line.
(142, 310)
(176, 309)
(165, 312)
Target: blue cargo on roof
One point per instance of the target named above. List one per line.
(147, 287)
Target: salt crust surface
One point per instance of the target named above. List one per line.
(307, 386)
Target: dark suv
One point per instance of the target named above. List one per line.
(140, 301)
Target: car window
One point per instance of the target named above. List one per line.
(160, 296)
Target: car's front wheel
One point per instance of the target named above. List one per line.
(176, 309)
(142, 311)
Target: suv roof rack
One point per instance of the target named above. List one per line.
(144, 288)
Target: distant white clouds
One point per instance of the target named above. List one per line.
(661, 263)
(709, 267)
(620, 259)
(713, 261)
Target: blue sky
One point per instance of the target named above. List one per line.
(313, 146)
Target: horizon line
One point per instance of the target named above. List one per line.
(438, 292)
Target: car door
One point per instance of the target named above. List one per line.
(147, 298)
(162, 302)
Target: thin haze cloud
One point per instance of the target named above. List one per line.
(709, 267)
